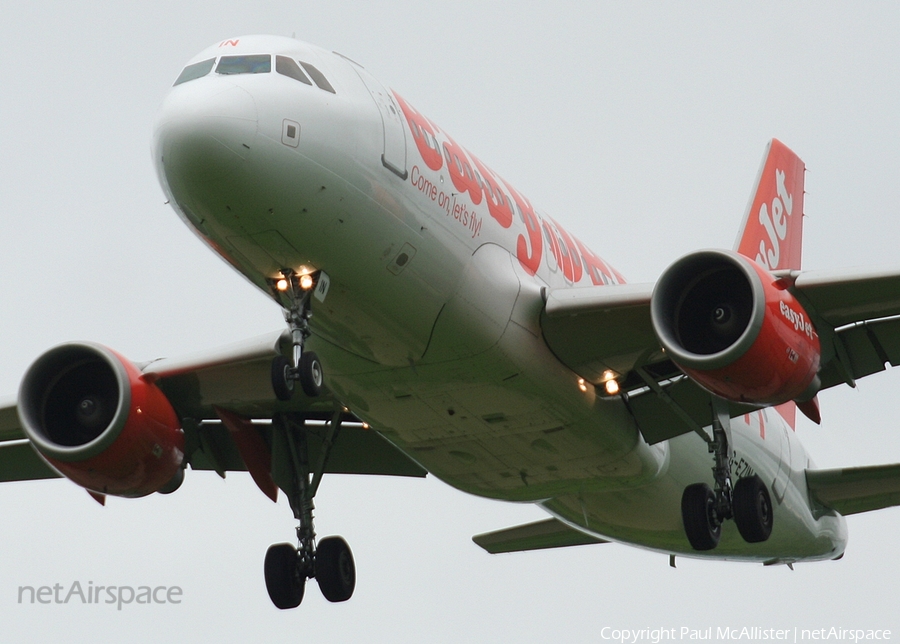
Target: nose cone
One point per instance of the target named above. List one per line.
(205, 132)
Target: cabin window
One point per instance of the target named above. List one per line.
(255, 64)
(197, 70)
(432, 142)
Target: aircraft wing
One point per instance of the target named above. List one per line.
(18, 461)
(605, 331)
(236, 379)
(855, 313)
(602, 332)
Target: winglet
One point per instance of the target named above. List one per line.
(772, 232)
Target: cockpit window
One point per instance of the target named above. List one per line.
(317, 77)
(286, 66)
(255, 64)
(195, 71)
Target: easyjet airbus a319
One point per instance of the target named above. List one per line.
(437, 322)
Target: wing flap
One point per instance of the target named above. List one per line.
(10, 429)
(682, 407)
(355, 451)
(19, 462)
(549, 533)
(856, 489)
(861, 350)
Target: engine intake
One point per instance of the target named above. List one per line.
(93, 417)
(735, 329)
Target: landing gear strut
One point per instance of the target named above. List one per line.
(304, 367)
(288, 567)
(704, 510)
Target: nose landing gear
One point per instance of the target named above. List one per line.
(704, 510)
(288, 567)
(304, 367)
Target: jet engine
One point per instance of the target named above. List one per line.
(95, 419)
(735, 329)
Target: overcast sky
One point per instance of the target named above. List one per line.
(639, 126)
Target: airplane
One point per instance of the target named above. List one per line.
(437, 323)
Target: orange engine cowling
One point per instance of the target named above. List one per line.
(93, 417)
(735, 329)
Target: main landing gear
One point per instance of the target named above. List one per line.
(704, 510)
(287, 567)
(304, 367)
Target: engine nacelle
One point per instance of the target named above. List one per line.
(735, 329)
(93, 417)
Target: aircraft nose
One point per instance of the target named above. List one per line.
(204, 133)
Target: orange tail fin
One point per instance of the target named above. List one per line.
(772, 232)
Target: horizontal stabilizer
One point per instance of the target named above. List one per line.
(549, 533)
(852, 490)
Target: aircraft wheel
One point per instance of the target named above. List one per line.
(284, 579)
(753, 512)
(335, 570)
(282, 382)
(698, 513)
(311, 375)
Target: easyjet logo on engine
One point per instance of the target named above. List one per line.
(505, 205)
(774, 219)
(798, 320)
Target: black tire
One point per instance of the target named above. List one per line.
(311, 374)
(335, 570)
(284, 579)
(282, 383)
(698, 514)
(753, 511)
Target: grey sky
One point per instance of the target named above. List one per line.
(639, 126)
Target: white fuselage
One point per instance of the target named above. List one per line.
(430, 328)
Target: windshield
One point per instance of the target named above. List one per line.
(194, 71)
(255, 64)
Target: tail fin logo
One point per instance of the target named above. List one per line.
(772, 232)
(775, 224)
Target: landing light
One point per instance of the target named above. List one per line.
(612, 387)
(281, 285)
(582, 384)
(306, 282)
